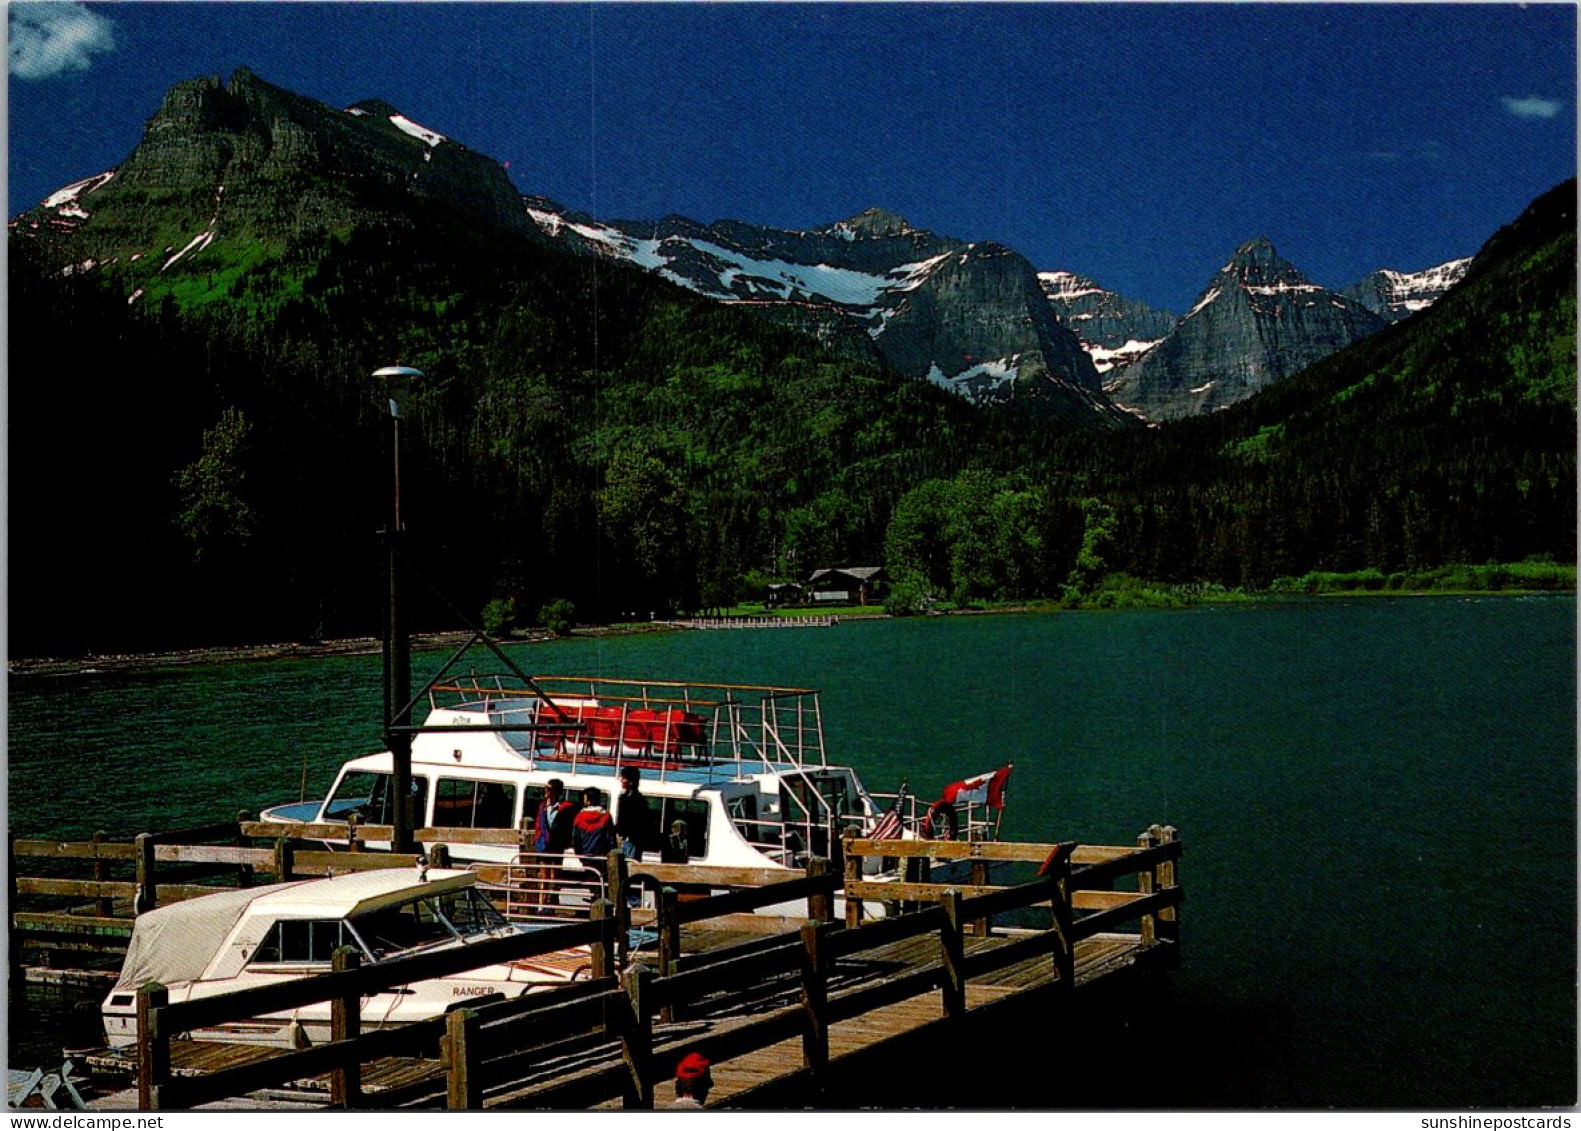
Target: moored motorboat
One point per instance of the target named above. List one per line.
(234, 940)
(738, 773)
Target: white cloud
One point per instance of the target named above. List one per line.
(48, 39)
(1533, 107)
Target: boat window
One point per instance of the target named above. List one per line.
(366, 793)
(462, 804)
(743, 811)
(694, 814)
(302, 942)
(532, 799)
(406, 926)
(816, 797)
(470, 912)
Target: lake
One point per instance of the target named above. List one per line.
(1378, 800)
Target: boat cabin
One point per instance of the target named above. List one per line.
(741, 768)
(253, 936)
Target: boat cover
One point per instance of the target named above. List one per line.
(176, 943)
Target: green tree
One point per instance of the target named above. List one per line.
(1097, 533)
(214, 516)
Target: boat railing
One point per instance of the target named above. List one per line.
(968, 821)
(543, 887)
(791, 842)
(655, 725)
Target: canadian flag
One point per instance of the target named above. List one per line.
(986, 788)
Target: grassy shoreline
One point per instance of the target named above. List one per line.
(1117, 592)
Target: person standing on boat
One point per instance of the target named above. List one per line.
(552, 825)
(593, 830)
(676, 850)
(552, 833)
(633, 820)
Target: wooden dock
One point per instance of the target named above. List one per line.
(793, 1012)
(811, 620)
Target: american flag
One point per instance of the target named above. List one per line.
(888, 826)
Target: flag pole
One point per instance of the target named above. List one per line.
(999, 814)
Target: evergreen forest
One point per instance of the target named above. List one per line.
(211, 463)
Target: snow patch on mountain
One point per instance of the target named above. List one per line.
(421, 133)
(1202, 302)
(1063, 286)
(982, 381)
(199, 242)
(1104, 359)
(72, 191)
(732, 275)
(1398, 294)
(1284, 287)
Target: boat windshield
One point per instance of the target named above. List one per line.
(426, 922)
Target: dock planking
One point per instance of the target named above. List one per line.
(751, 1079)
(780, 1022)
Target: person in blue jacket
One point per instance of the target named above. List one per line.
(593, 830)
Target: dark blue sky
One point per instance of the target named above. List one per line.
(1138, 144)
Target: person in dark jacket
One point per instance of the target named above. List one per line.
(552, 826)
(633, 820)
(593, 830)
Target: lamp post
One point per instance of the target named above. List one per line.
(397, 642)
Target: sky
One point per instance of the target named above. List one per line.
(1136, 144)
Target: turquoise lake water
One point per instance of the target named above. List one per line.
(1378, 800)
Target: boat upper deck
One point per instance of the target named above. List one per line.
(697, 733)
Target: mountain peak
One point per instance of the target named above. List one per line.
(1260, 251)
(1256, 264)
(873, 222)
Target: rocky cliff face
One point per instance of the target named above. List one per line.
(246, 162)
(1114, 330)
(969, 317)
(1259, 320)
(1393, 295)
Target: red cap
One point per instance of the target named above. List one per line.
(693, 1066)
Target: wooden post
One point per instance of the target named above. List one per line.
(820, 904)
(1144, 885)
(345, 1024)
(352, 821)
(618, 883)
(459, 1052)
(636, 1040)
(953, 944)
(853, 875)
(14, 951)
(603, 947)
(1063, 931)
(101, 874)
(283, 857)
(815, 1001)
(153, 1045)
(244, 872)
(669, 943)
(1169, 918)
(147, 885)
(980, 879)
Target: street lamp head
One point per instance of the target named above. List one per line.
(398, 384)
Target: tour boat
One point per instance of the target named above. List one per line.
(249, 937)
(742, 769)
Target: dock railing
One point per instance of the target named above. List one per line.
(500, 1057)
(159, 1019)
(580, 1010)
(639, 1011)
(1095, 869)
(86, 892)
